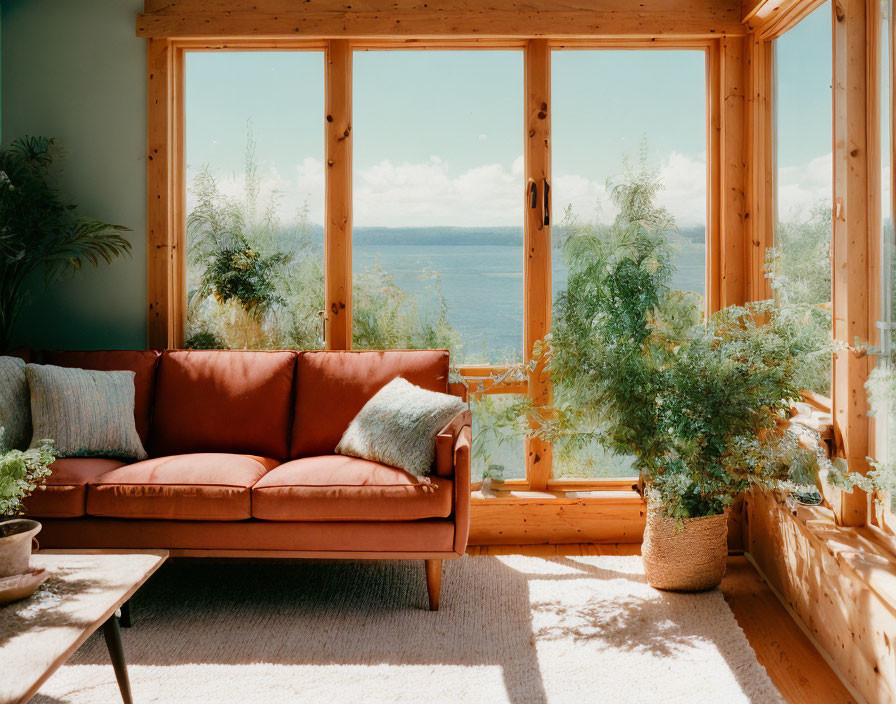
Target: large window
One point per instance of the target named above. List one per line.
(437, 238)
(629, 133)
(438, 178)
(439, 195)
(802, 261)
(882, 386)
(254, 199)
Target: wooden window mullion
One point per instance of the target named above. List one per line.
(338, 218)
(853, 244)
(537, 238)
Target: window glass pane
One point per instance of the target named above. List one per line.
(883, 381)
(802, 263)
(255, 199)
(437, 244)
(624, 117)
(498, 449)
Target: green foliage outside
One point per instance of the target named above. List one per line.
(257, 284)
(701, 407)
(40, 230)
(799, 268)
(21, 474)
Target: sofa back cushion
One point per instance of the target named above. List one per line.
(141, 362)
(332, 388)
(223, 401)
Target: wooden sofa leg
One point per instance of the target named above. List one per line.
(434, 582)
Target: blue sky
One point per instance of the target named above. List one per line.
(438, 136)
(804, 141)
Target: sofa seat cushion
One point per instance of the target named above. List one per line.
(195, 487)
(338, 488)
(65, 493)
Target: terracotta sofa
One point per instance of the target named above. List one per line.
(242, 464)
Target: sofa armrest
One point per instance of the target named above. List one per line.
(462, 451)
(446, 441)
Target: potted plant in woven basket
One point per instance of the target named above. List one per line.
(21, 473)
(701, 406)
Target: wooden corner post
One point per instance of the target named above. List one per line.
(338, 229)
(538, 241)
(727, 234)
(854, 242)
(759, 149)
(166, 259)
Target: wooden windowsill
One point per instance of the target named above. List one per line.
(628, 497)
(864, 553)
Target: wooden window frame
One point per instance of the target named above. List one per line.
(546, 510)
(855, 245)
(726, 243)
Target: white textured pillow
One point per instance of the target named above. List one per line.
(398, 426)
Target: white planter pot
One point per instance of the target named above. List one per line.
(15, 545)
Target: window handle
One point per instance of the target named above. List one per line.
(533, 194)
(546, 203)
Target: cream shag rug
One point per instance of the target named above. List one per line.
(511, 629)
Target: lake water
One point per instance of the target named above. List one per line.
(483, 286)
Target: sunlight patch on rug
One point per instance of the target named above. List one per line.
(512, 629)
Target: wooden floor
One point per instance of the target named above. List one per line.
(794, 665)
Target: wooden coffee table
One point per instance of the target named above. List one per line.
(85, 592)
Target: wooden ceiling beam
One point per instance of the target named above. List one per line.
(769, 19)
(498, 19)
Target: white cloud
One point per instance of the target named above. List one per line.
(683, 193)
(409, 194)
(424, 193)
(800, 188)
(305, 185)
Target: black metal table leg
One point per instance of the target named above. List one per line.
(112, 633)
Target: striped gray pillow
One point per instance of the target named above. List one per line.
(87, 413)
(15, 409)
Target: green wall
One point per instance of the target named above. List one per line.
(74, 70)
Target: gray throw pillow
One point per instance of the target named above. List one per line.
(15, 405)
(398, 426)
(86, 413)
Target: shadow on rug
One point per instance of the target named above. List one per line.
(512, 629)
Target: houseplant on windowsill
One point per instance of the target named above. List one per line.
(701, 406)
(21, 473)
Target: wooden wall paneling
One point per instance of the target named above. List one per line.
(458, 18)
(838, 583)
(853, 244)
(338, 218)
(759, 149)
(541, 518)
(162, 255)
(537, 237)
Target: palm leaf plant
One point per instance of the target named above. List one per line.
(40, 230)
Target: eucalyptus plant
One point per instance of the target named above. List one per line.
(40, 230)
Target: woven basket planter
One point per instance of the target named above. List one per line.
(687, 555)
